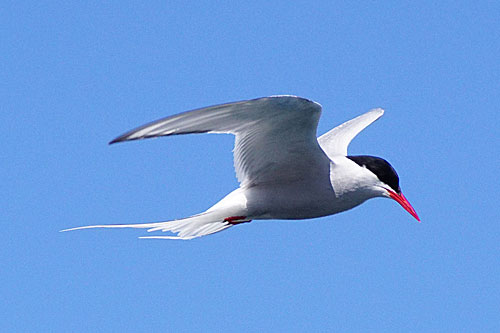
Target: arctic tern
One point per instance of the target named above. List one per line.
(284, 171)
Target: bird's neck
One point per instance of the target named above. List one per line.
(350, 183)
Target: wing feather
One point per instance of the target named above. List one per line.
(336, 141)
(275, 136)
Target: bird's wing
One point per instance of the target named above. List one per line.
(336, 141)
(275, 136)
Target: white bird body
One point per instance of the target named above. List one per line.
(284, 171)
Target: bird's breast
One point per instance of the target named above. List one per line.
(290, 201)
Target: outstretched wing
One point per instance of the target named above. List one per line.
(275, 136)
(336, 141)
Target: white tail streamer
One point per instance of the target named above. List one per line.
(188, 228)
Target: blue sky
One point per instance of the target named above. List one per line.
(75, 75)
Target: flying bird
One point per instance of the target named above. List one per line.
(284, 170)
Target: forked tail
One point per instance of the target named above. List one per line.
(188, 228)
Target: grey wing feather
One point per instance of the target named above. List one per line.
(336, 141)
(275, 136)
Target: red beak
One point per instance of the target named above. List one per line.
(400, 198)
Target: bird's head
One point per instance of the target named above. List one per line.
(386, 182)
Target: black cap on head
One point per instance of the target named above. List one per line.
(381, 168)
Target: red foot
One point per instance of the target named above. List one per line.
(236, 219)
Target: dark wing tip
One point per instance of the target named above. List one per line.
(118, 139)
(122, 138)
